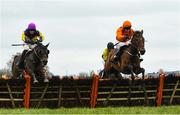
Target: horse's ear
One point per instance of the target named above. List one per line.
(141, 31)
(47, 45)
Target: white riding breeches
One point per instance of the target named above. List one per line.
(29, 46)
(122, 44)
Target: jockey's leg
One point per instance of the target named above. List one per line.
(119, 53)
(21, 61)
(116, 56)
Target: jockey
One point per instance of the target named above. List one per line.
(106, 51)
(30, 36)
(110, 46)
(124, 35)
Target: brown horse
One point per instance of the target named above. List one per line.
(129, 62)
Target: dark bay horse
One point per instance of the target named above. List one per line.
(34, 63)
(129, 62)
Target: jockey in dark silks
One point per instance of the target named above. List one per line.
(30, 36)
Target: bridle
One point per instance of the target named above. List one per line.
(35, 52)
(134, 55)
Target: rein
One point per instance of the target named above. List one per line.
(37, 55)
(131, 53)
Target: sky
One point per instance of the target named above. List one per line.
(79, 30)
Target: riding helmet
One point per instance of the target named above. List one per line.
(32, 26)
(110, 45)
(126, 24)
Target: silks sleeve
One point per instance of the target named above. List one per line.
(119, 35)
(105, 54)
(41, 37)
(23, 37)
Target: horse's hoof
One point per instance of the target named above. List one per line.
(35, 81)
(46, 80)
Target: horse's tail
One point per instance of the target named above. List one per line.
(13, 58)
(13, 64)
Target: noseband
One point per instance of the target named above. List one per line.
(135, 55)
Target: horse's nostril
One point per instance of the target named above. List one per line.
(45, 62)
(142, 52)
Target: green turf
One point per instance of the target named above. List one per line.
(105, 110)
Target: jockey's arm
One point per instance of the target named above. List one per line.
(41, 37)
(105, 54)
(119, 35)
(23, 37)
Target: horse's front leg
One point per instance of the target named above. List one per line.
(30, 69)
(130, 67)
(44, 73)
(140, 70)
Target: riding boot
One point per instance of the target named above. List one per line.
(117, 56)
(21, 61)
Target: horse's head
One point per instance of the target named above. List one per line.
(42, 52)
(138, 41)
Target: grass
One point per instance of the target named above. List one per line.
(105, 110)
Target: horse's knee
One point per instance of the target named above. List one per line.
(140, 70)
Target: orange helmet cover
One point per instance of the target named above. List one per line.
(126, 24)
